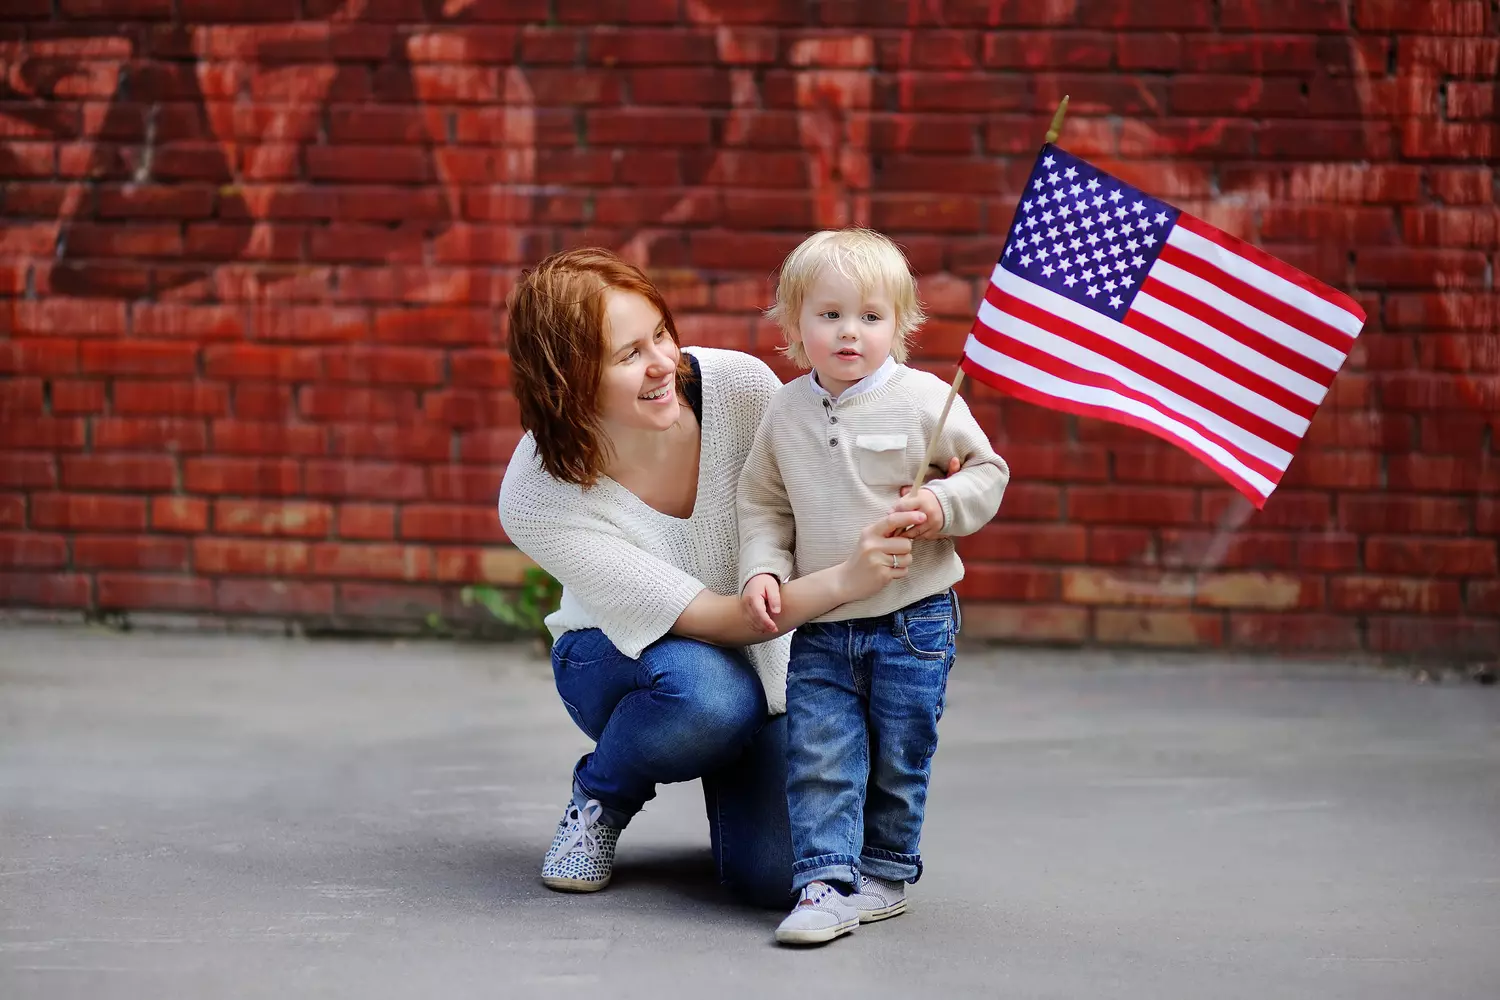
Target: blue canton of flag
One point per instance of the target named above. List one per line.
(1086, 235)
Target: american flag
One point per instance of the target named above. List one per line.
(1109, 303)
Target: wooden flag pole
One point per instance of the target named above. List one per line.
(1052, 134)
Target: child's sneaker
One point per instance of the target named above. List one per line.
(878, 899)
(582, 855)
(821, 915)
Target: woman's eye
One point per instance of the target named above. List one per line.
(660, 334)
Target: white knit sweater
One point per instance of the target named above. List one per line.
(822, 468)
(627, 568)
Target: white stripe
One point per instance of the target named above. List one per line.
(1066, 350)
(1266, 281)
(1211, 294)
(1061, 388)
(1148, 347)
(1221, 343)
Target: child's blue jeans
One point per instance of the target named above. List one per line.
(863, 702)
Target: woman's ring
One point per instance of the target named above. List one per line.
(894, 563)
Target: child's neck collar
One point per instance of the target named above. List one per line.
(869, 383)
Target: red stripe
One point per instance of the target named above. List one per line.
(1158, 373)
(1252, 296)
(1281, 269)
(1030, 394)
(1228, 367)
(1252, 338)
(1042, 360)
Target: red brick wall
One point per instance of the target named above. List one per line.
(254, 255)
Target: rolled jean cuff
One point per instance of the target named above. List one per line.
(616, 814)
(890, 866)
(826, 868)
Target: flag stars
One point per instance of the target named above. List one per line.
(1138, 261)
(1093, 292)
(1048, 271)
(1075, 190)
(1050, 161)
(1070, 281)
(1093, 183)
(1070, 173)
(1115, 301)
(1161, 218)
(1138, 208)
(1149, 240)
(1070, 229)
(1054, 233)
(1026, 260)
(1110, 285)
(1115, 196)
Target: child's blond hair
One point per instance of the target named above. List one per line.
(867, 258)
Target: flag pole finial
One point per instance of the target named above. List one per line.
(1057, 120)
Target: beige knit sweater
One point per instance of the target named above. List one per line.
(629, 569)
(822, 469)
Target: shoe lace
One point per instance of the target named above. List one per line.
(583, 831)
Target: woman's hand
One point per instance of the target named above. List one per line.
(882, 555)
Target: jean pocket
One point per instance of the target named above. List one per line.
(928, 638)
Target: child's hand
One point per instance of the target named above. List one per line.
(761, 600)
(925, 501)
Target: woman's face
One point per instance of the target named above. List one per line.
(638, 383)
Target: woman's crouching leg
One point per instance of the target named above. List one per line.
(747, 818)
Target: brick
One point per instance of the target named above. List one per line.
(1337, 430)
(45, 590)
(1115, 505)
(388, 365)
(134, 433)
(1047, 543)
(181, 515)
(1484, 598)
(647, 46)
(365, 480)
(1273, 15)
(21, 397)
(373, 562)
(926, 213)
(992, 581)
(1355, 226)
(1474, 228)
(130, 552)
(1471, 101)
(188, 399)
(1331, 140)
(1185, 629)
(471, 525)
(1365, 594)
(24, 470)
(410, 442)
(1457, 311)
(252, 361)
(1340, 183)
(1407, 268)
(38, 357)
(384, 602)
(119, 239)
(374, 522)
(1294, 633)
(262, 401)
(288, 519)
(1442, 474)
(1030, 623)
(145, 201)
(1072, 50)
(148, 592)
(33, 551)
(542, 45)
(12, 510)
(1433, 638)
(484, 369)
(119, 473)
(649, 127)
(1435, 17)
(368, 164)
(1457, 433)
(463, 484)
(1147, 589)
(1436, 140)
(87, 512)
(494, 445)
(242, 476)
(319, 402)
(1432, 556)
(435, 325)
(1333, 469)
(67, 318)
(1259, 591)
(137, 357)
(1285, 509)
(500, 566)
(1216, 138)
(1465, 58)
(949, 92)
(1031, 502)
(1403, 515)
(1487, 517)
(460, 408)
(1462, 185)
(273, 597)
(250, 557)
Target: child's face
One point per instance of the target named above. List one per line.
(846, 334)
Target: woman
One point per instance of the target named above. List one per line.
(624, 490)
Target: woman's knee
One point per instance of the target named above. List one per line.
(717, 690)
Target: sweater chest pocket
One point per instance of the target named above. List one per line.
(882, 459)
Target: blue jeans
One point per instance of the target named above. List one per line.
(863, 702)
(686, 709)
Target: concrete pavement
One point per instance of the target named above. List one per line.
(215, 817)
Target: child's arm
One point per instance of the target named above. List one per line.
(767, 528)
(968, 498)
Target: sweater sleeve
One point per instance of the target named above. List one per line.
(767, 528)
(970, 497)
(634, 596)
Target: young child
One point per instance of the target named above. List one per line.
(866, 682)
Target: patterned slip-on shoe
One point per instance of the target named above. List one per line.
(878, 899)
(582, 855)
(821, 915)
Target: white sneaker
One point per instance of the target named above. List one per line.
(582, 855)
(878, 899)
(821, 915)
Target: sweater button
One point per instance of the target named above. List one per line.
(833, 420)
(833, 442)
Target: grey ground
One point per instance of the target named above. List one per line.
(215, 816)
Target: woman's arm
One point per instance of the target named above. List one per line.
(719, 619)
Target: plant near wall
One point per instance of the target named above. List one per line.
(524, 610)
